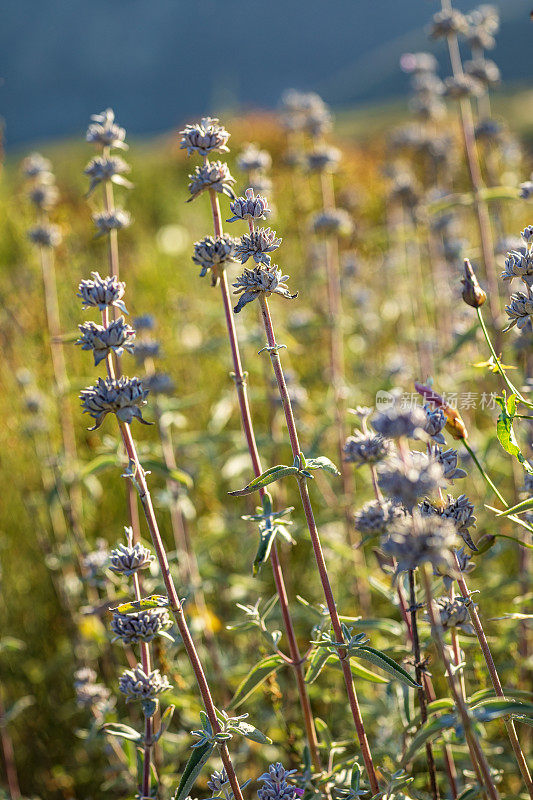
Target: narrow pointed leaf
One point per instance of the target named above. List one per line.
(321, 462)
(256, 677)
(195, 764)
(525, 505)
(121, 731)
(252, 733)
(160, 468)
(427, 732)
(265, 479)
(501, 707)
(153, 601)
(387, 664)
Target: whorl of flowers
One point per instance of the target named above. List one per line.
(94, 563)
(249, 207)
(213, 251)
(127, 559)
(454, 614)
(101, 293)
(484, 71)
(519, 262)
(366, 448)
(46, 235)
(448, 23)
(459, 511)
(305, 111)
(107, 221)
(261, 280)
(519, 311)
(90, 694)
(466, 565)
(217, 780)
(396, 421)
(112, 169)
(257, 245)
(104, 131)
(139, 685)
(44, 195)
(117, 337)
(435, 422)
(140, 626)
(122, 397)
(448, 459)
(213, 175)
(84, 675)
(146, 349)
(252, 159)
(405, 481)
(376, 516)
(323, 159)
(275, 785)
(416, 540)
(159, 383)
(462, 86)
(333, 222)
(36, 166)
(204, 137)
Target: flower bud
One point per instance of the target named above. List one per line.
(473, 294)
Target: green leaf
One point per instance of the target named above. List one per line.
(505, 432)
(17, 708)
(160, 468)
(153, 601)
(252, 733)
(166, 719)
(121, 731)
(265, 479)
(498, 707)
(317, 662)
(489, 694)
(387, 664)
(525, 505)
(194, 766)
(255, 678)
(321, 657)
(472, 793)
(321, 462)
(428, 731)
(99, 464)
(266, 540)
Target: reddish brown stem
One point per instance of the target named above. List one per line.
(9, 755)
(317, 548)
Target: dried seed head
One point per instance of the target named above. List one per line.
(213, 253)
(323, 159)
(448, 459)
(215, 176)
(45, 235)
(127, 559)
(472, 293)
(107, 221)
(252, 159)
(204, 137)
(448, 23)
(249, 207)
(257, 245)
(416, 540)
(458, 511)
(117, 337)
(36, 166)
(139, 685)
(454, 614)
(258, 281)
(395, 422)
(462, 86)
(140, 626)
(406, 481)
(102, 293)
(102, 169)
(366, 448)
(335, 222)
(275, 785)
(44, 195)
(122, 397)
(376, 516)
(484, 71)
(159, 383)
(519, 311)
(104, 131)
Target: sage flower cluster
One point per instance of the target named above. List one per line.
(136, 684)
(366, 448)
(204, 137)
(459, 511)
(519, 264)
(117, 337)
(261, 280)
(249, 207)
(332, 222)
(453, 613)
(397, 422)
(214, 176)
(426, 86)
(105, 133)
(276, 785)
(102, 293)
(140, 626)
(376, 516)
(448, 23)
(415, 539)
(255, 164)
(107, 168)
(406, 480)
(127, 559)
(213, 253)
(90, 694)
(305, 111)
(123, 397)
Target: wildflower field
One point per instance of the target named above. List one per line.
(307, 573)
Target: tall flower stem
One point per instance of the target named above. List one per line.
(419, 673)
(246, 420)
(474, 746)
(174, 602)
(337, 378)
(8, 753)
(495, 678)
(273, 349)
(476, 181)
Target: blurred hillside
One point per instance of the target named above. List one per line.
(159, 61)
